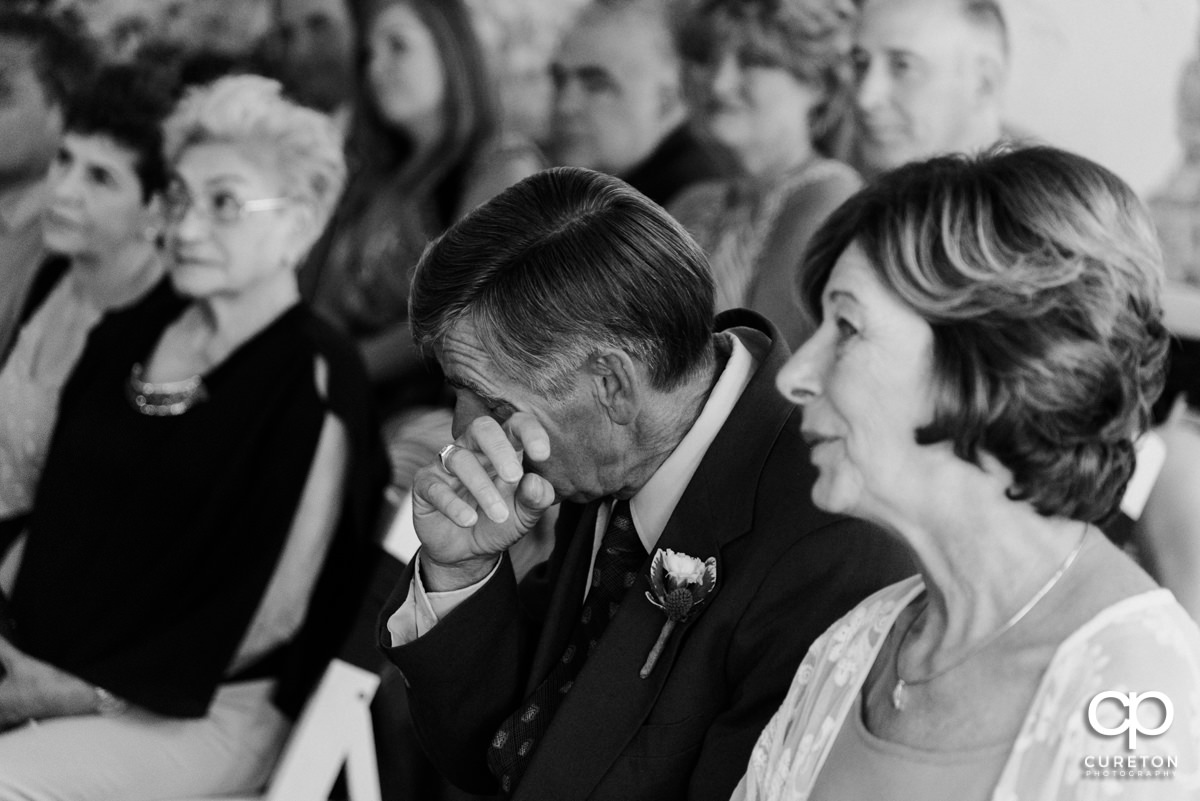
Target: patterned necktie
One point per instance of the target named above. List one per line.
(620, 556)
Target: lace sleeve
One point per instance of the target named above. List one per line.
(1077, 746)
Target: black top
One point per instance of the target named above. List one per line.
(1183, 376)
(153, 539)
(679, 161)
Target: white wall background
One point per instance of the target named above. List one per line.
(1100, 77)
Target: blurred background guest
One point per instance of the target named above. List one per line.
(425, 148)
(931, 76)
(770, 83)
(991, 341)
(1166, 535)
(202, 39)
(102, 226)
(519, 39)
(120, 28)
(229, 29)
(619, 105)
(43, 62)
(314, 49)
(209, 481)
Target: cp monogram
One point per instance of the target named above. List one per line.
(1132, 723)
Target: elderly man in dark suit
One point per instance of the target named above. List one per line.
(575, 319)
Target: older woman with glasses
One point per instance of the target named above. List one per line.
(211, 479)
(990, 342)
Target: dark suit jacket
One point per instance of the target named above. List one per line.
(785, 572)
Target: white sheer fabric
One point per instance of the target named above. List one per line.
(45, 353)
(1146, 642)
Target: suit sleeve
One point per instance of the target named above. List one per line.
(819, 578)
(466, 675)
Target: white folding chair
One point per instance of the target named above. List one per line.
(333, 731)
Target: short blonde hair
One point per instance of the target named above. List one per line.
(251, 109)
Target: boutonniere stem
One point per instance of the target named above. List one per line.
(678, 584)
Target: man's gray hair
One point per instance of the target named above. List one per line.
(561, 265)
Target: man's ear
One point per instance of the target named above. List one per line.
(990, 77)
(618, 384)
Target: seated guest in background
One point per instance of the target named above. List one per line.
(209, 480)
(120, 28)
(619, 105)
(1166, 536)
(659, 433)
(771, 85)
(930, 79)
(43, 62)
(224, 30)
(422, 151)
(520, 38)
(991, 341)
(103, 225)
(314, 50)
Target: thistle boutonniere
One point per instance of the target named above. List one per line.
(679, 584)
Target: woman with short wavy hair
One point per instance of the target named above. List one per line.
(990, 344)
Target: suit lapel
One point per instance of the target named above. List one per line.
(609, 701)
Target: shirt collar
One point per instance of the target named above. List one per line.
(655, 502)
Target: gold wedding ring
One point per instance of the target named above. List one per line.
(443, 453)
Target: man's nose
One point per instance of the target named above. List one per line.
(568, 97)
(871, 89)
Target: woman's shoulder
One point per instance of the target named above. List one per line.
(1148, 633)
(873, 617)
(696, 203)
(341, 375)
(1144, 642)
(824, 183)
(1143, 646)
(499, 162)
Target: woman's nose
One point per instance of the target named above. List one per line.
(64, 183)
(725, 77)
(799, 378)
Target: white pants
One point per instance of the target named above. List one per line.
(139, 756)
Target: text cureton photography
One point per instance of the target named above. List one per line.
(1123, 710)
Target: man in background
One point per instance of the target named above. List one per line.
(619, 105)
(313, 47)
(930, 77)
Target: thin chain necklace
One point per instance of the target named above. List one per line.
(898, 697)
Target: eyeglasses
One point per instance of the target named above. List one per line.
(220, 205)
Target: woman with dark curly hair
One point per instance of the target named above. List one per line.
(990, 343)
(768, 80)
